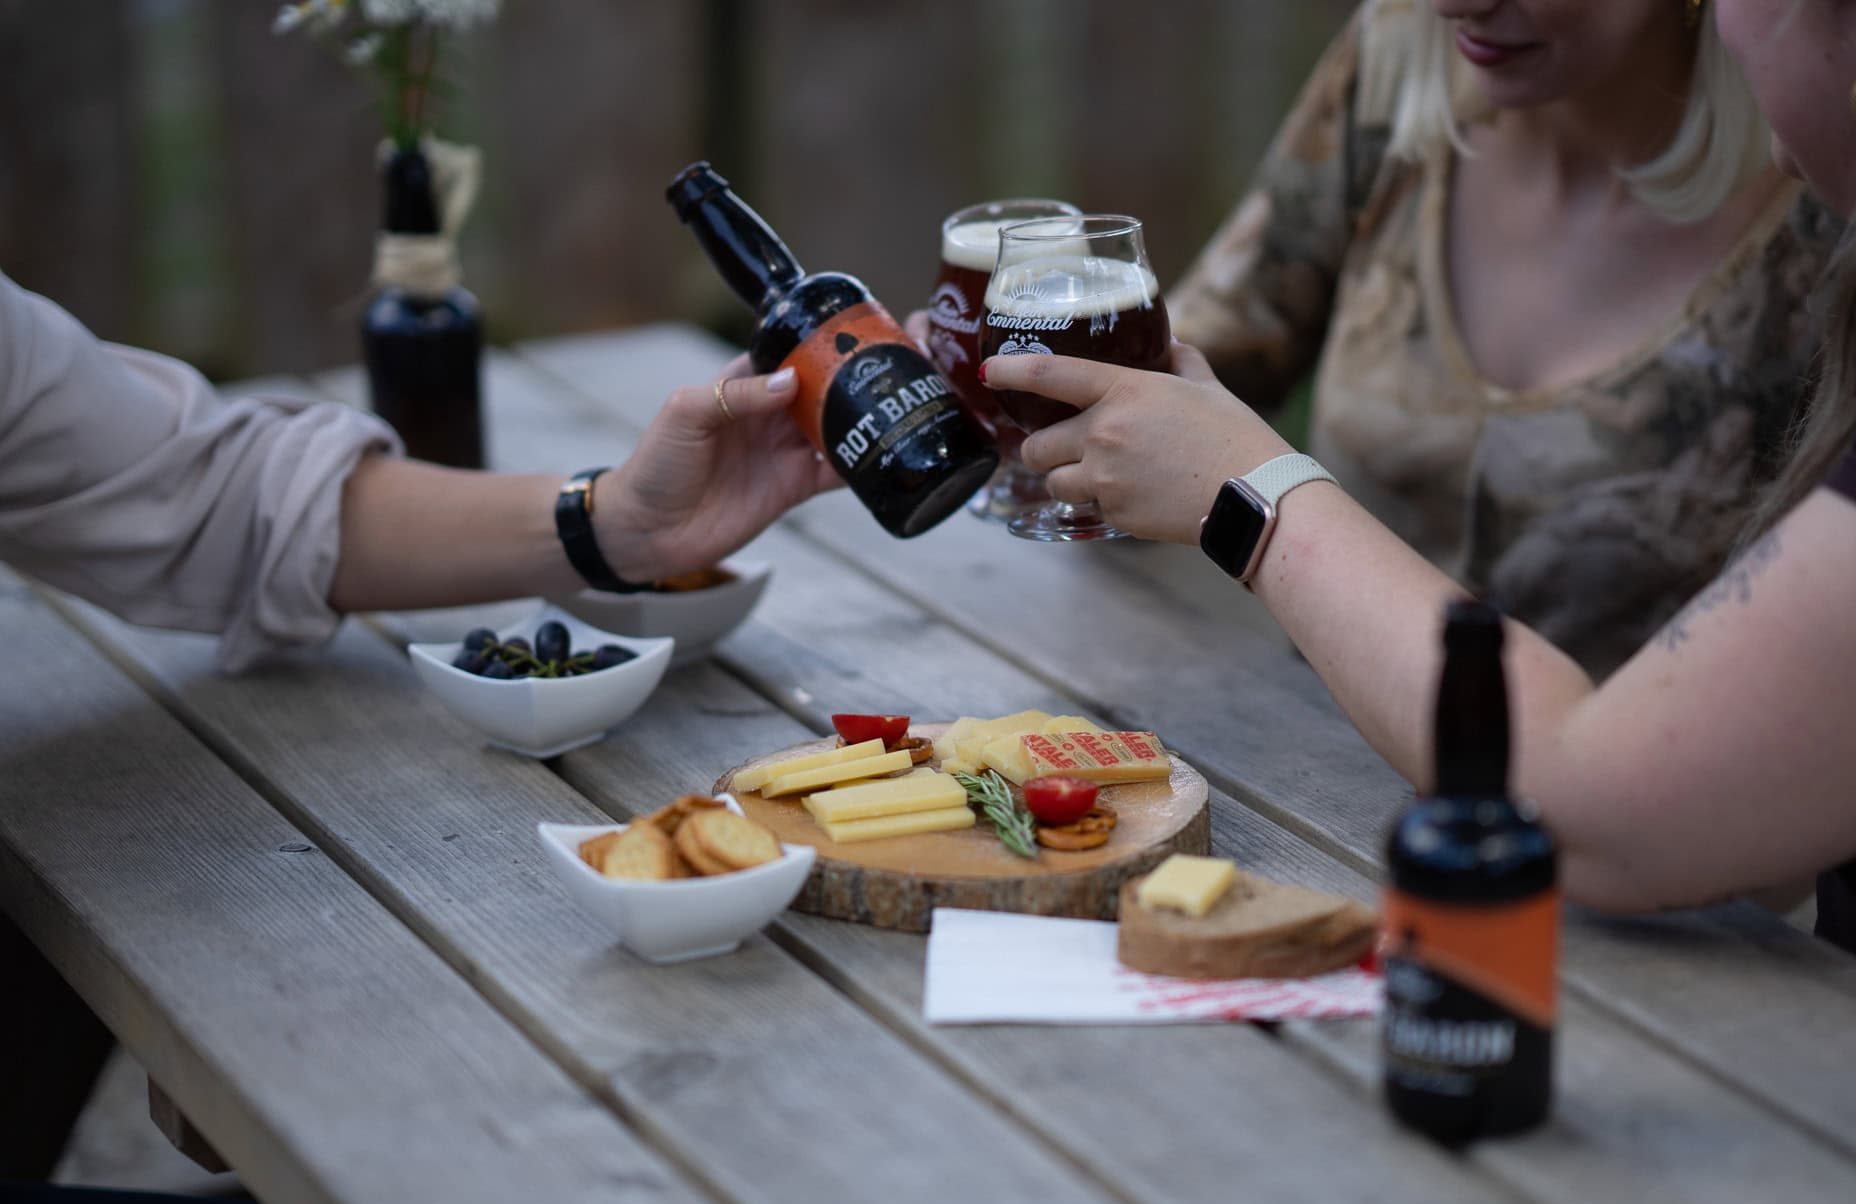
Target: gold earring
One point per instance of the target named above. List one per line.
(1691, 14)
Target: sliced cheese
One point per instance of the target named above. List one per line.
(1102, 757)
(958, 764)
(1007, 755)
(1187, 883)
(947, 746)
(945, 820)
(1068, 723)
(988, 730)
(755, 777)
(923, 790)
(806, 780)
(972, 746)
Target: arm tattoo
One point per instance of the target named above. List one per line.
(1735, 584)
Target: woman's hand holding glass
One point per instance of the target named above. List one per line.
(1150, 449)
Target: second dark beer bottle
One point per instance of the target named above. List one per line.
(1471, 919)
(422, 335)
(868, 399)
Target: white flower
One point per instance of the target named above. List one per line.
(320, 16)
(362, 50)
(390, 12)
(457, 14)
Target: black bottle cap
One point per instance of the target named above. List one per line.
(411, 207)
(693, 185)
(1471, 624)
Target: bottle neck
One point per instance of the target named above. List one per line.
(410, 204)
(746, 252)
(1470, 740)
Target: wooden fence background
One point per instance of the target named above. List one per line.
(180, 178)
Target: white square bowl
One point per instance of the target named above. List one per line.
(682, 919)
(544, 717)
(697, 619)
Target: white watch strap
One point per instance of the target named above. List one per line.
(1273, 478)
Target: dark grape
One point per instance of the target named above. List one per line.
(480, 639)
(469, 661)
(608, 655)
(498, 670)
(517, 645)
(551, 642)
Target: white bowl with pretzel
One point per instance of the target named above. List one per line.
(664, 908)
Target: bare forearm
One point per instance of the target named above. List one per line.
(417, 535)
(1367, 612)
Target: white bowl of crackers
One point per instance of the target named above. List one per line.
(689, 880)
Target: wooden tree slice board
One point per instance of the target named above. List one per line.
(898, 882)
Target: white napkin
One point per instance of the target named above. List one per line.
(989, 967)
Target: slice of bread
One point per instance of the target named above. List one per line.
(1258, 929)
(641, 851)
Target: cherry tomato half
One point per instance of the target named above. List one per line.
(1056, 799)
(890, 729)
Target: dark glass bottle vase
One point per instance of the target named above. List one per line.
(423, 350)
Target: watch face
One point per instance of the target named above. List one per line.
(1232, 529)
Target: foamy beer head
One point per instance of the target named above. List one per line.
(1090, 294)
(969, 248)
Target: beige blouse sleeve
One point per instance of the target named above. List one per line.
(1257, 300)
(125, 480)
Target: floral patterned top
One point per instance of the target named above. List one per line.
(1590, 511)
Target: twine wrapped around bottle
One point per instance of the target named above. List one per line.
(426, 265)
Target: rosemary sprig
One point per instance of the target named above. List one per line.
(1016, 829)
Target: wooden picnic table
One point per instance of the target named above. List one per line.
(313, 905)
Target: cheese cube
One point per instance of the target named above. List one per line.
(945, 820)
(755, 777)
(1187, 883)
(1102, 757)
(1068, 723)
(923, 790)
(805, 781)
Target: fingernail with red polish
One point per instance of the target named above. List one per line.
(982, 372)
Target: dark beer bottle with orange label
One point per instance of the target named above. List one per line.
(868, 399)
(1471, 919)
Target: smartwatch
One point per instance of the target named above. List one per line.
(573, 522)
(1243, 516)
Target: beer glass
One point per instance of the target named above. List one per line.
(969, 247)
(1078, 286)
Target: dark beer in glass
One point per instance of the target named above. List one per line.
(1077, 286)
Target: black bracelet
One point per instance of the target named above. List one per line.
(573, 521)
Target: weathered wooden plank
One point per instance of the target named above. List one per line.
(1167, 1144)
(303, 210)
(67, 158)
(1688, 981)
(1172, 1114)
(325, 1050)
(751, 1071)
(873, 112)
(575, 188)
(1633, 1119)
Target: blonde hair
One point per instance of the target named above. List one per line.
(1409, 79)
(1828, 423)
